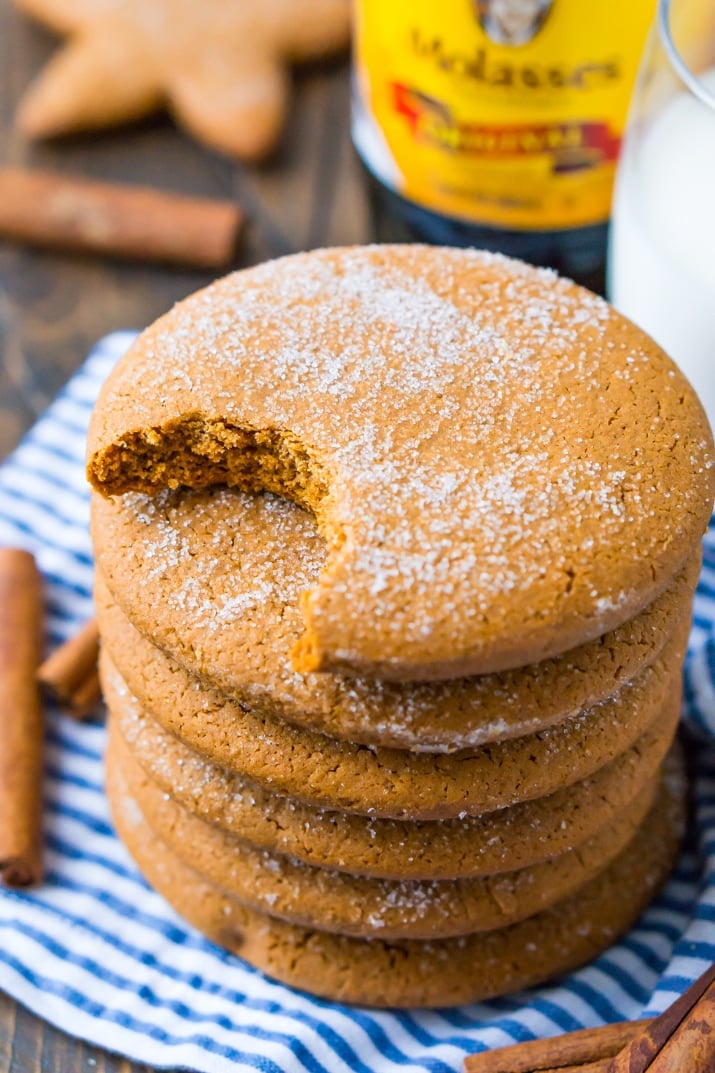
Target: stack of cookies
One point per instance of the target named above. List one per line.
(396, 550)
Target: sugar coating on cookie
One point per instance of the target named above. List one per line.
(170, 562)
(365, 905)
(390, 783)
(500, 841)
(411, 973)
(502, 465)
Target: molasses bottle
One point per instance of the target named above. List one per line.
(496, 123)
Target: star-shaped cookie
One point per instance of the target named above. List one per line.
(220, 66)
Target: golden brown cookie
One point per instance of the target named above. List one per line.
(221, 68)
(413, 972)
(503, 467)
(500, 841)
(387, 782)
(364, 905)
(225, 606)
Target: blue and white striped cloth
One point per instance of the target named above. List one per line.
(100, 955)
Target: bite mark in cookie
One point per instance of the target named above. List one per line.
(503, 467)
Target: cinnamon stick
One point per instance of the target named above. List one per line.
(590, 1067)
(680, 1040)
(564, 1053)
(637, 1056)
(21, 720)
(70, 673)
(140, 222)
(692, 1045)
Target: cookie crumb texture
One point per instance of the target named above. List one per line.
(368, 906)
(214, 578)
(395, 784)
(413, 972)
(502, 466)
(496, 842)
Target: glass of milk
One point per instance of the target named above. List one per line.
(662, 254)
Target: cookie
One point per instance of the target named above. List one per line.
(221, 69)
(231, 617)
(365, 905)
(501, 841)
(387, 782)
(502, 466)
(411, 973)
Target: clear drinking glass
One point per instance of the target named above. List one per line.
(662, 255)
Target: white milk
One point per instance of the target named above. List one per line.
(662, 258)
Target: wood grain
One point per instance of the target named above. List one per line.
(54, 307)
(28, 1045)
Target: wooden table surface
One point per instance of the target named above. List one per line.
(53, 307)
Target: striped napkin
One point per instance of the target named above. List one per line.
(97, 953)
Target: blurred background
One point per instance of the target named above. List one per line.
(55, 305)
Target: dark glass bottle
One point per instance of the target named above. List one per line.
(579, 253)
(496, 123)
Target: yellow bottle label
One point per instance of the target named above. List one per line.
(508, 113)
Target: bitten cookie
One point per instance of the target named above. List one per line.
(388, 782)
(500, 841)
(214, 577)
(503, 467)
(412, 972)
(365, 905)
(221, 68)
